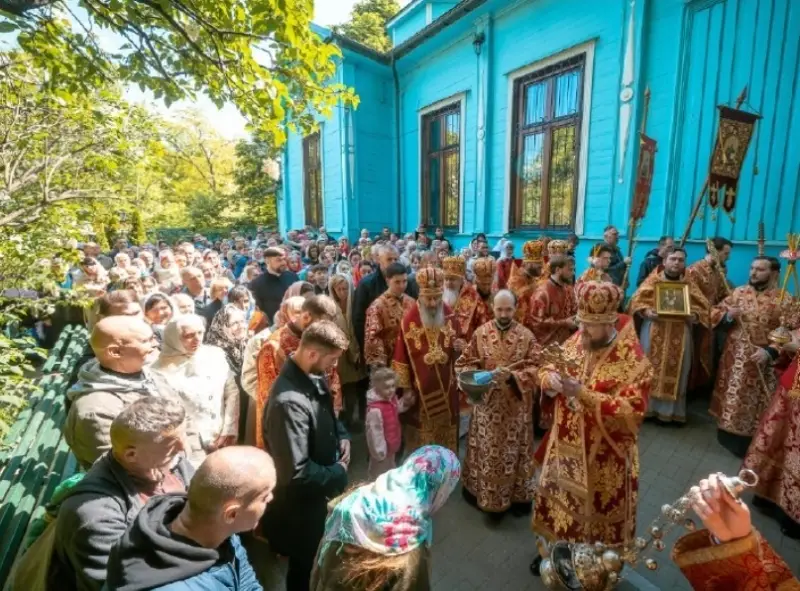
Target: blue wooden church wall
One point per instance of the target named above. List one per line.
(693, 55)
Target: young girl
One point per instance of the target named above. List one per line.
(383, 421)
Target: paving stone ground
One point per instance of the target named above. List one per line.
(472, 553)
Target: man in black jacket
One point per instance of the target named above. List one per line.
(654, 258)
(310, 447)
(146, 439)
(268, 288)
(372, 287)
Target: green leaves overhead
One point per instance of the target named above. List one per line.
(260, 55)
(367, 23)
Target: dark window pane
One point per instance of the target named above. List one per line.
(453, 133)
(451, 189)
(435, 134)
(434, 190)
(566, 99)
(534, 103)
(530, 178)
(563, 169)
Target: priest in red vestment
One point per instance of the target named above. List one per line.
(469, 309)
(423, 360)
(506, 264)
(523, 279)
(589, 460)
(729, 555)
(484, 269)
(384, 316)
(282, 343)
(553, 306)
(774, 453)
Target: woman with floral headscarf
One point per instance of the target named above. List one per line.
(228, 331)
(378, 536)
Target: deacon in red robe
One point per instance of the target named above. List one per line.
(484, 269)
(469, 309)
(553, 306)
(423, 360)
(282, 343)
(523, 280)
(384, 316)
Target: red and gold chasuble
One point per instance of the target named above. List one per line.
(668, 335)
(708, 279)
(498, 469)
(280, 344)
(588, 486)
(470, 312)
(774, 453)
(423, 361)
(550, 304)
(523, 287)
(382, 326)
(739, 397)
(746, 564)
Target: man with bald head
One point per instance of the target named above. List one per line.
(371, 287)
(498, 469)
(115, 378)
(190, 541)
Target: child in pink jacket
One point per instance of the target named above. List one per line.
(384, 432)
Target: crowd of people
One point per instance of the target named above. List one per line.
(227, 377)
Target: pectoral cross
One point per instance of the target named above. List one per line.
(415, 333)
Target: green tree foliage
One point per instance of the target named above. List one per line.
(367, 23)
(260, 55)
(138, 234)
(256, 191)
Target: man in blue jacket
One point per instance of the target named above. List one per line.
(190, 542)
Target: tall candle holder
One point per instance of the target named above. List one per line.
(597, 567)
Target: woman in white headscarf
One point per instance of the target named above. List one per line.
(199, 375)
(166, 269)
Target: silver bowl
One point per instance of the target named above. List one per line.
(473, 390)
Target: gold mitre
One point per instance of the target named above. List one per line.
(484, 268)
(454, 267)
(430, 281)
(557, 247)
(533, 251)
(598, 302)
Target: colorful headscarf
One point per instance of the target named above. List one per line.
(219, 334)
(393, 514)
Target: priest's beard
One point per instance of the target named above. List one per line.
(759, 285)
(450, 296)
(672, 276)
(432, 317)
(503, 324)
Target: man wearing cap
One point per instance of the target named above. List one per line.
(588, 462)
(268, 288)
(523, 280)
(423, 361)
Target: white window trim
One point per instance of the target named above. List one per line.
(586, 109)
(461, 99)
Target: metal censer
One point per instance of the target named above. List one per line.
(596, 567)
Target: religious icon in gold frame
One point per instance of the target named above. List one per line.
(672, 299)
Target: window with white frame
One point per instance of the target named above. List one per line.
(441, 166)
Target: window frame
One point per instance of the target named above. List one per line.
(587, 49)
(318, 210)
(455, 103)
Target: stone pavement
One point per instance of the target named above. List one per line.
(470, 552)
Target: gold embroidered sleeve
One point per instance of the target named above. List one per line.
(719, 311)
(470, 358)
(622, 412)
(374, 349)
(403, 372)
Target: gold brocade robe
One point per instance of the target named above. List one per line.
(592, 274)
(423, 360)
(668, 335)
(382, 326)
(589, 479)
(740, 397)
(498, 469)
(470, 312)
(522, 286)
(551, 304)
(746, 564)
(708, 279)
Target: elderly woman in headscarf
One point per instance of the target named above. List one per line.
(228, 331)
(298, 288)
(199, 375)
(340, 288)
(312, 254)
(166, 269)
(378, 537)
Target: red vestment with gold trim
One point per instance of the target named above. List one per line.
(423, 361)
(382, 326)
(589, 479)
(550, 304)
(774, 453)
(498, 469)
(746, 564)
(280, 344)
(739, 397)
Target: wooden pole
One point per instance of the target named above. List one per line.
(698, 203)
(631, 221)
